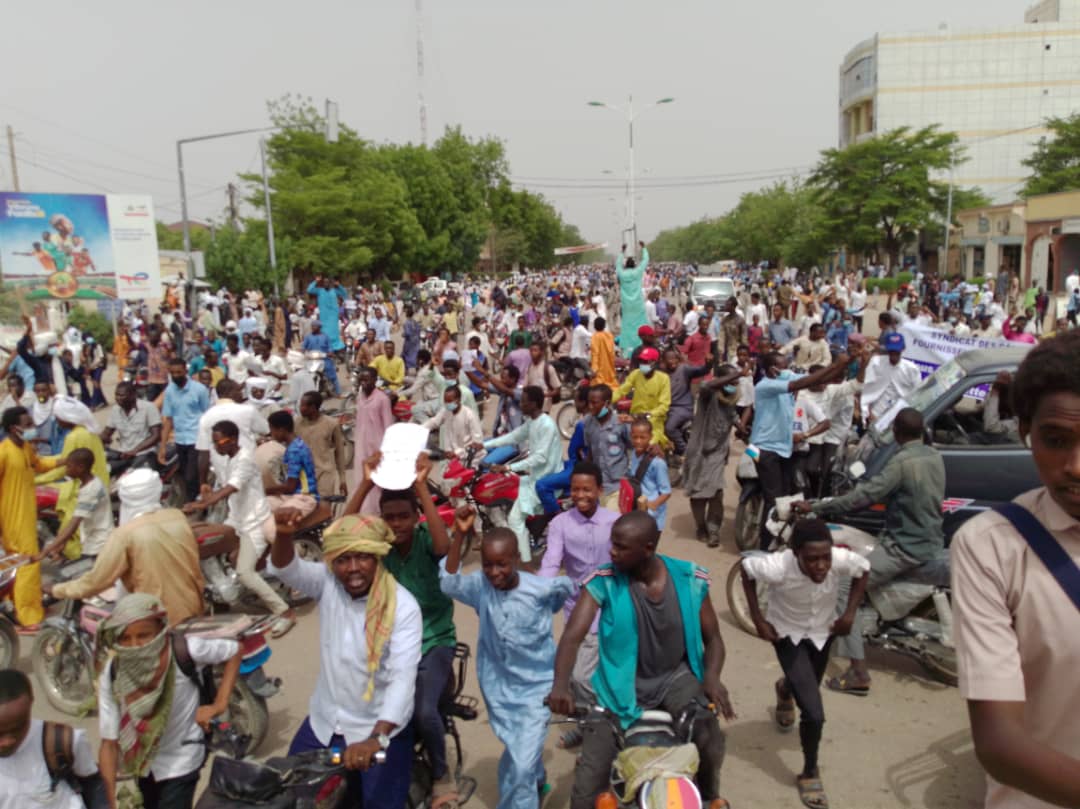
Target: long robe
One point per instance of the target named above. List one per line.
(373, 416)
(328, 301)
(515, 665)
(631, 301)
(709, 444)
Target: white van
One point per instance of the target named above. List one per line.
(433, 286)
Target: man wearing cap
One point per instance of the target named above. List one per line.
(651, 390)
(647, 335)
(152, 551)
(371, 632)
(317, 341)
(889, 378)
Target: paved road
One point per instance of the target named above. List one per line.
(906, 745)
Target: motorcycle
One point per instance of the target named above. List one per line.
(672, 785)
(9, 638)
(749, 512)
(911, 614)
(313, 365)
(63, 660)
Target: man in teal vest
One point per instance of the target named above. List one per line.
(660, 649)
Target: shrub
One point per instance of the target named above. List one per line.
(883, 286)
(903, 278)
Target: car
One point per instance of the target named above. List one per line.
(433, 286)
(713, 288)
(980, 470)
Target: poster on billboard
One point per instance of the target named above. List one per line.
(78, 246)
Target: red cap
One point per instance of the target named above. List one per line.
(646, 331)
(649, 355)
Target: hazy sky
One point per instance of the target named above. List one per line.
(100, 92)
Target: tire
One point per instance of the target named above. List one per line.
(248, 714)
(64, 670)
(566, 418)
(748, 518)
(938, 660)
(737, 603)
(9, 644)
(308, 549)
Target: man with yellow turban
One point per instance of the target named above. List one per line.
(370, 631)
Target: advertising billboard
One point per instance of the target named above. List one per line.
(81, 246)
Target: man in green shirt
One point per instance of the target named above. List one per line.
(414, 562)
(912, 487)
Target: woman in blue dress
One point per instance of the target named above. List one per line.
(631, 298)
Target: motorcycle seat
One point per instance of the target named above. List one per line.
(215, 540)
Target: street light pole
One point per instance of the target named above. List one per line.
(943, 272)
(269, 216)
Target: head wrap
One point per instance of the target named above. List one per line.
(361, 533)
(260, 382)
(71, 410)
(450, 354)
(140, 493)
(142, 678)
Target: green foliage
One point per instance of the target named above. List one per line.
(174, 240)
(883, 285)
(1055, 163)
(904, 277)
(96, 323)
(240, 259)
(11, 311)
(878, 194)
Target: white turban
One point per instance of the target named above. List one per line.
(71, 410)
(140, 493)
(256, 382)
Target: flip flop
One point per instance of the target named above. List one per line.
(785, 709)
(844, 684)
(812, 793)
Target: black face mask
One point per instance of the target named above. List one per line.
(179, 381)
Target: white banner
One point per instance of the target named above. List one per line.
(930, 348)
(134, 242)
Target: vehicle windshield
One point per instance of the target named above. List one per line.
(709, 289)
(921, 398)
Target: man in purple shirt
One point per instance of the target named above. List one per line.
(579, 541)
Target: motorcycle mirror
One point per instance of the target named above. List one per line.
(857, 469)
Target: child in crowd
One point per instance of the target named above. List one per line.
(655, 484)
(753, 336)
(516, 655)
(746, 366)
(803, 584)
(92, 516)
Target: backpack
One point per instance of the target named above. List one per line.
(630, 487)
(58, 749)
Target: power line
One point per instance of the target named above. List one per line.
(645, 179)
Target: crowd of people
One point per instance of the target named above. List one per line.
(665, 390)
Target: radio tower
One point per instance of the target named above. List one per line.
(420, 71)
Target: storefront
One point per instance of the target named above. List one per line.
(1052, 241)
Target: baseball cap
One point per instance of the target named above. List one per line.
(646, 331)
(649, 355)
(894, 341)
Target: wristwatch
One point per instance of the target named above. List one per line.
(383, 740)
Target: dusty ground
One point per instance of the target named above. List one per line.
(907, 745)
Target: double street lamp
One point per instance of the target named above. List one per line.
(631, 116)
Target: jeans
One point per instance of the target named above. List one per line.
(676, 420)
(887, 561)
(548, 485)
(431, 679)
(330, 370)
(599, 748)
(775, 474)
(172, 793)
(499, 455)
(381, 786)
(188, 459)
(804, 666)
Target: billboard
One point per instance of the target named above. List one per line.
(82, 246)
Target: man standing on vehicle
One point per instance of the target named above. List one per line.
(660, 648)
(1014, 613)
(912, 487)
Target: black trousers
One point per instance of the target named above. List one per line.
(172, 793)
(804, 666)
(775, 473)
(188, 459)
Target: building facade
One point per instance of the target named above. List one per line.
(993, 87)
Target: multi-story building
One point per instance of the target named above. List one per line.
(993, 87)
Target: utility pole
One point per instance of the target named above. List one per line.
(943, 271)
(631, 205)
(269, 216)
(230, 189)
(11, 154)
(420, 71)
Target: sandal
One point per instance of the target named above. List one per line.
(785, 708)
(812, 793)
(444, 794)
(846, 684)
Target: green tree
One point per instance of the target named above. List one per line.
(240, 259)
(1055, 163)
(880, 193)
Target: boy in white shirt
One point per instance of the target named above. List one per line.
(803, 586)
(25, 780)
(92, 516)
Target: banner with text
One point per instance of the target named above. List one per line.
(930, 348)
(79, 246)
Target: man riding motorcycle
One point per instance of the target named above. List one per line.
(136, 426)
(912, 486)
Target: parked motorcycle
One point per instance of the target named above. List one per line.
(749, 511)
(9, 638)
(672, 786)
(63, 660)
(912, 614)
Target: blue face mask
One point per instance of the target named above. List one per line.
(730, 390)
(453, 406)
(29, 434)
(603, 413)
(645, 368)
(785, 374)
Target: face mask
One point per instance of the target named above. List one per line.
(453, 406)
(785, 374)
(179, 382)
(730, 390)
(603, 413)
(645, 368)
(29, 433)
(53, 352)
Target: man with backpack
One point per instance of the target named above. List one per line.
(42, 764)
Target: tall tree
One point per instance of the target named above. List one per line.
(1055, 163)
(880, 193)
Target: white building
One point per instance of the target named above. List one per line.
(993, 87)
